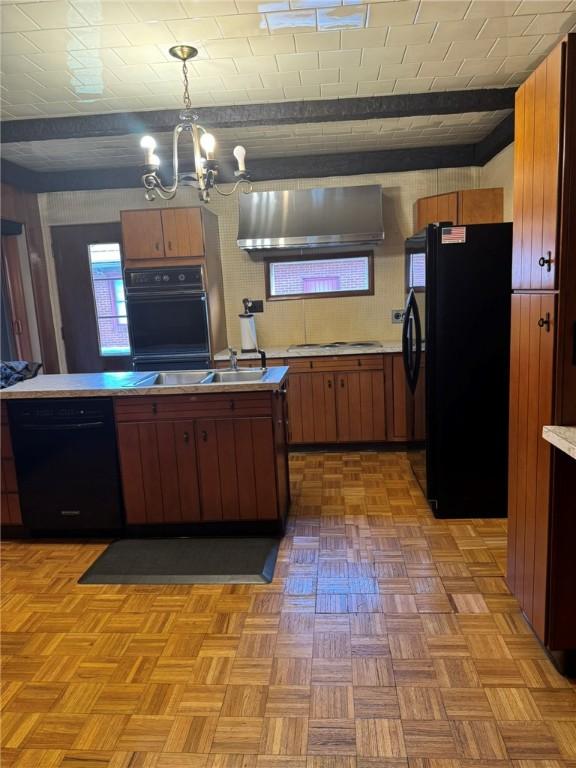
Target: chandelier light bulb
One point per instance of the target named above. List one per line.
(154, 160)
(240, 154)
(208, 144)
(148, 142)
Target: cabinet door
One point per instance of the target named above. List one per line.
(426, 211)
(398, 399)
(182, 233)
(537, 148)
(531, 393)
(360, 406)
(480, 206)
(158, 466)
(447, 207)
(142, 235)
(236, 472)
(311, 408)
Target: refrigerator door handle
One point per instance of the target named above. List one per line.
(411, 348)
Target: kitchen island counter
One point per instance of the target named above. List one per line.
(125, 384)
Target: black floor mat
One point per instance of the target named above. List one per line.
(185, 561)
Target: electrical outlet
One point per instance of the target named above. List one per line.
(397, 315)
(257, 305)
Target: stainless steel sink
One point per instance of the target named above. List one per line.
(225, 377)
(173, 379)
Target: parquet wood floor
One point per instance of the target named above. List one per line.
(387, 639)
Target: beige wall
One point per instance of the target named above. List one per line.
(295, 321)
(499, 172)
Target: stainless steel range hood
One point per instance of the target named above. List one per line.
(321, 218)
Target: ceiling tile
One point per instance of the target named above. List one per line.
(546, 43)
(501, 26)
(404, 70)
(392, 13)
(298, 4)
(14, 43)
(97, 12)
(279, 79)
(215, 67)
(140, 54)
(55, 40)
(25, 110)
(357, 74)
(514, 46)
(485, 8)
(413, 85)
(316, 41)
(195, 30)
(291, 21)
(58, 108)
(14, 20)
(346, 17)
(237, 82)
(519, 64)
(319, 76)
(256, 64)
(100, 37)
(474, 49)
(450, 83)
(265, 94)
(144, 33)
(104, 57)
(442, 10)
(302, 91)
(449, 31)
(438, 68)
(243, 25)
(379, 88)
(152, 10)
(372, 56)
(294, 62)
(196, 8)
(406, 34)
(542, 6)
(261, 6)
(364, 38)
(15, 64)
(337, 90)
(262, 46)
(547, 23)
(480, 66)
(427, 52)
(341, 59)
(56, 14)
(231, 47)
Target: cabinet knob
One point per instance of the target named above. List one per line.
(157, 246)
(186, 437)
(342, 383)
(546, 262)
(154, 408)
(169, 245)
(329, 383)
(359, 362)
(545, 322)
(204, 436)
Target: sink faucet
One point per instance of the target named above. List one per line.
(233, 359)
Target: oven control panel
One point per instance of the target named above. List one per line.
(177, 277)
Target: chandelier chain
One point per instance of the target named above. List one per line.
(186, 96)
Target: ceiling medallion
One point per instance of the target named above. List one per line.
(205, 172)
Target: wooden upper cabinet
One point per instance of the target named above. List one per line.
(182, 229)
(142, 235)
(467, 206)
(169, 233)
(531, 407)
(537, 159)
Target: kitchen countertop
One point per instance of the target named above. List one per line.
(563, 438)
(275, 352)
(121, 384)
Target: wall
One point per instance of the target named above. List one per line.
(292, 321)
(499, 172)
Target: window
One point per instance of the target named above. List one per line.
(318, 277)
(109, 298)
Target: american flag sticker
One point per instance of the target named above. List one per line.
(453, 235)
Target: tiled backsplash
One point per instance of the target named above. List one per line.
(298, 321)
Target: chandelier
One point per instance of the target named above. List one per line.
(205, 172)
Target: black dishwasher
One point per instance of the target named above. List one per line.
(66, 464)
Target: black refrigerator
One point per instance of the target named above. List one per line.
(458, 315)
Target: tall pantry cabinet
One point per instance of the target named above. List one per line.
(542, 481)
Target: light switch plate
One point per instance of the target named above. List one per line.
(397, 315)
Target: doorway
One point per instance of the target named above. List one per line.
(20, 338)
(91, 291)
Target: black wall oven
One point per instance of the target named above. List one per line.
(168, 318)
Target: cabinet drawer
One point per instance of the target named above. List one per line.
(336, 363)
(149, 408)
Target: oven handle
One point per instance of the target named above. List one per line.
(130, 294)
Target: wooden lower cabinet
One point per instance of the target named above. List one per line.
(311, 408)
(9, 500)
(216, 463)
(360, 406)
(236, 474)
(531, 407)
